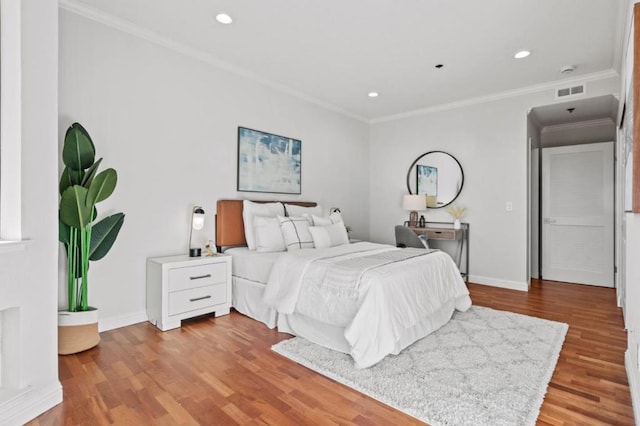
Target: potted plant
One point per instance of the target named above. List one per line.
(84, 238)
(457, 213)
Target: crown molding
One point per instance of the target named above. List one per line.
(578, 125)
(201, 55)
(601, 75)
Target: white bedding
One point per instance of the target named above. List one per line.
(252, 265)
(379, 302)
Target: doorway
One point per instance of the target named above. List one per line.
(568, 129)
(577, 211)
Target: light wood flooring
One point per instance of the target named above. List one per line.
(221, 371)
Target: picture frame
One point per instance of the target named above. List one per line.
(268, 162)
(427, 183)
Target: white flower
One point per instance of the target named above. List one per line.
(456, 212)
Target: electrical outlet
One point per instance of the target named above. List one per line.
(509, 206)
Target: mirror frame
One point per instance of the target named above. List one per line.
(435, 152)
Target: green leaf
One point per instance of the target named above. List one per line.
(90, 174)
(73, 207)
(102, 186)
(64, 232)
(69, 178)
(78, 152)
(103, 235)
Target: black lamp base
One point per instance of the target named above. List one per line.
(195, 252)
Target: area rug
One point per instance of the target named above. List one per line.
(484, 367)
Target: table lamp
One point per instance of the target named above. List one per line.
(413, 203)
(197, 223)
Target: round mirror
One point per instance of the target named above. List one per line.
(438, 175)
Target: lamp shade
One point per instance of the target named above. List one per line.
(197, 223)
(414, 202)
(198, 218)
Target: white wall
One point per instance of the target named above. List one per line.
(632, 311)
(28, 278)
(533, 134)
(168, 124)
(579, 133)
(490, 141)
(632, 267)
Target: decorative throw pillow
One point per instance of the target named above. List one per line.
(329, 236)
(267, 234)
(300, 211)
(251, 209)
(334, 217)
(295, 231)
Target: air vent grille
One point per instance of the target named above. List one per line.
(572, 91)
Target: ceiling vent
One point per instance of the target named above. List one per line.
(570, 92)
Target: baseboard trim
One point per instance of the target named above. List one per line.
(633, 376)
(106, 324)
(497, 282)
(29, 403)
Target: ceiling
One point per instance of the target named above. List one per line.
(335, 52)
(579, 110)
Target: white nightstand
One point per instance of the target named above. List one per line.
(180, 287)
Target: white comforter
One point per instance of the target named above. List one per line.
(368, 289)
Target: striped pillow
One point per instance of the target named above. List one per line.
(295, 231)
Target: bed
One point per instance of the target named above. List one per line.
(365, 299)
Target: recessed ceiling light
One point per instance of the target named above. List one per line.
(223, 18)
(374, 94)
(522, 54)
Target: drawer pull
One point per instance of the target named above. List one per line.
(200, 298)
(199, 277)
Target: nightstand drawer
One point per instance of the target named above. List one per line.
(441, 234)
(196, 298)
(197, 276)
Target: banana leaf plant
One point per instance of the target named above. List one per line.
(81, 188)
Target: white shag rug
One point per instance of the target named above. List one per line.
(484, 367)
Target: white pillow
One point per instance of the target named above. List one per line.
(329, 236)
(295, 231)
(268, 235)
(334, 217)
(293, 210)
(251, 209)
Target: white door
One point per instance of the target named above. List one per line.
(577, 212)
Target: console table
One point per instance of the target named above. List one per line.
(445, 231)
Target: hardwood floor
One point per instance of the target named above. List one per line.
(221, 371)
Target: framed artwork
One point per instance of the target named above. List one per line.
(428, 183)
(268, 162)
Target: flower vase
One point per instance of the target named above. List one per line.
(456, 224)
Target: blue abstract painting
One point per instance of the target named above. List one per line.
(427, 180)
(268, 162)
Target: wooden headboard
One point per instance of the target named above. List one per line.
(229, 223)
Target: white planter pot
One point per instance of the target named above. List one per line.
(456, 224)
(77, 331)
